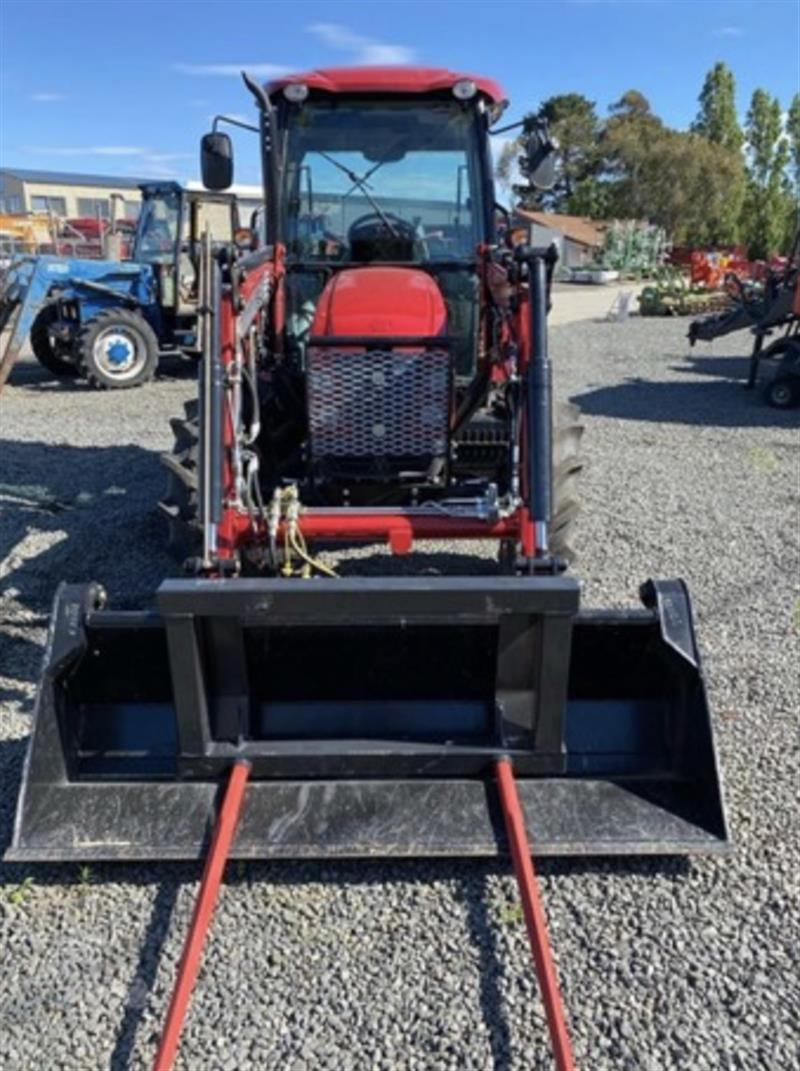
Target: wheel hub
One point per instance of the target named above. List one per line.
(782, 394)
(117, 352)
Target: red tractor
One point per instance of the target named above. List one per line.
(378, 372)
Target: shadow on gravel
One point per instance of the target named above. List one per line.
(79, 514)
(28, 373)
(734, 368)
(484, 934)
(710, 403)
(12, 755)
(141, 984)
(20, 659)
(471, 879)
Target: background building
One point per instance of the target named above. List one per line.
(578, 239)
(73, 196)
(67, 195)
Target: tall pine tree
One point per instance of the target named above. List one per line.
(717, 122)
(765, 209)
(716, 119)
(793, 132)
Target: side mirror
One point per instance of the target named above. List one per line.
(539, 162)
(216, 161)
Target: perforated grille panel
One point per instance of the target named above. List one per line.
(378, 404)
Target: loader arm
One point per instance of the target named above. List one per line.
(34, 281)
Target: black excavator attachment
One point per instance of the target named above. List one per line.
(372, 713)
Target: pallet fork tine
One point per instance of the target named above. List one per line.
(214, 869)
(218, 855)
(533, 911)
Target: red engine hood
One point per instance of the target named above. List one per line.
(380, 302)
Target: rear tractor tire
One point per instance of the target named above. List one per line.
(180, 504)
(52, 353)
(117, 349)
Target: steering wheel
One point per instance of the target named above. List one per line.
(377, 225)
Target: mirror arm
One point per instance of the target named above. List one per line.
(232, 122)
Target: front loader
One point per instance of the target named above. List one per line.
(107, 321)
(378, 373)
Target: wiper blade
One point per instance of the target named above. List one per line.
(362, 185)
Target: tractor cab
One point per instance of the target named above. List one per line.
(380, 221)
(394, 181)
(168, 234)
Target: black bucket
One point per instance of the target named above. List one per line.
(372, 712)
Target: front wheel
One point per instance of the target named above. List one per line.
(783, 392)
(51, 352)
(117, 348)
(567, 466)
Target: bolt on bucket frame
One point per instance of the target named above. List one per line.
(372, 713)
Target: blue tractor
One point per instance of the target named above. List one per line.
(107, 321)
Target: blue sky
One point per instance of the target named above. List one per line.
(128, 86)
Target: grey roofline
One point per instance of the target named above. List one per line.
(69, 178)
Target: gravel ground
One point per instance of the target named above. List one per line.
(664, 964)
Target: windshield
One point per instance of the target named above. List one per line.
(382, 180)
(157, 233)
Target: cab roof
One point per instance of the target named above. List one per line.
(388, 80)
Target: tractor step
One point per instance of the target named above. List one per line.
(371, 712)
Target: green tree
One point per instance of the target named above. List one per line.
(766, 201)
(629, 139)
(632, 105)
(717, 119)
(573, 121)
(682, 182)
(591, 197)
(793, 133)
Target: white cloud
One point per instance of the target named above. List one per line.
(47, 98)
(92, 150)
(165, 157)
(260, 70)
(363, 50)
(729, 31)
(154, 170)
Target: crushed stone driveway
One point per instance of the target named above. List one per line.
(665, 964)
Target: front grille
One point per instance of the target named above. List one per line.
(378, 408)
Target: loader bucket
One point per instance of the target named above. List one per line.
(372, 712)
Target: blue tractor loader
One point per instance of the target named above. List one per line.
(107, 321)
